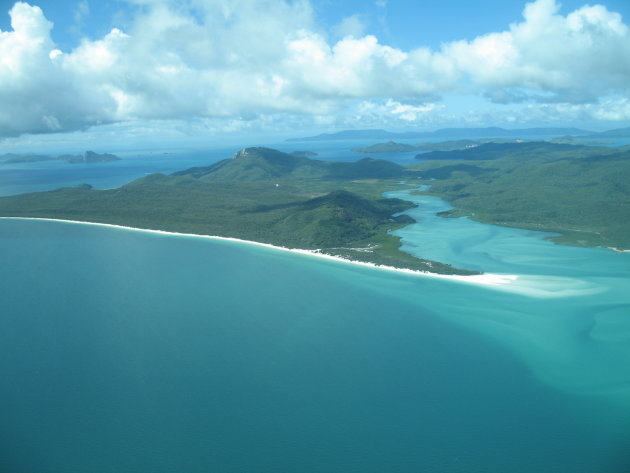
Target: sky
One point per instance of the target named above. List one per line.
(190, 68)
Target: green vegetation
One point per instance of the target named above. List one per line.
(304, 154)
(393, 147)
(389, 147)
(581, 192)
(254, 164)
(495, 150)
(260, 195)
(264, 195)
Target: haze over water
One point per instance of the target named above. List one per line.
(128, 351)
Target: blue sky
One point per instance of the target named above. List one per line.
(213, 67)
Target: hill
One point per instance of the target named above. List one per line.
(487, 132)
(389, 147)
(260, 195)
(89, 157)
(616, 133)
(489, 151)
(393, 147)
(581, 192)
(253, 164)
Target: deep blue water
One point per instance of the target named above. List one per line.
(124, 351)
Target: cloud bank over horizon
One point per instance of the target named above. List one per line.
(269, 61)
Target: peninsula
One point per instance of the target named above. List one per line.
(580, 193)
(260, 195)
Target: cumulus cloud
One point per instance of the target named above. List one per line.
(36, 93)
(573, 58)
(243, 59)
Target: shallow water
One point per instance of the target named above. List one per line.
(127, 351)
(123, 351)
(572, 328)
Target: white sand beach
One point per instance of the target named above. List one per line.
(486, 279)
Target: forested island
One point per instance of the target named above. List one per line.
(580, 192)
(260, 195)
(86, 157)
(492, 132)
(290, 200)
(451, 145)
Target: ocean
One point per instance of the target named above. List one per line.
(127, 351)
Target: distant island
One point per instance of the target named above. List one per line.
(394, 147)
(304, 154)
(487, 132)
(87, 157)
(616, 133)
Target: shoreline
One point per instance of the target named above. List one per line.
(617, 250)
(486, 279)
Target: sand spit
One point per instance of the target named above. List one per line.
(487, 279)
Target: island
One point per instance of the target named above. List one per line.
(581, 193)
(451, 145)
(90, 157)
(578, 193)
(453, 133)
(261, 195)
(394, 147)
(304, 154)
(86, 157)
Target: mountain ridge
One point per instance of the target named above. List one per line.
(260, 163)
(482, 132)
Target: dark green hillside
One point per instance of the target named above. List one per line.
(304, 154)
(336, 219)
(254, 196)
(254, 164)
(366, 168)
(582, 192)
(393, 147)
(389, 147)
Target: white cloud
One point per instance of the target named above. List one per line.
(575, 58)
(37, 95)
(242, 59)
(403, 111)
(352, 26)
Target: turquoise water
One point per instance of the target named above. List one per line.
(573, 327)
(124, 351)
